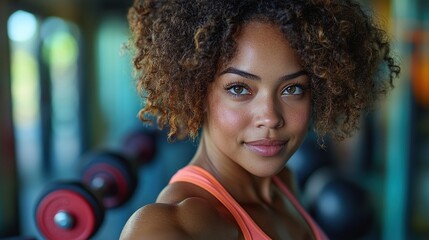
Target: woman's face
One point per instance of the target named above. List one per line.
(259, 105)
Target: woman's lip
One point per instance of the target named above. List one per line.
(266, 147)
(267, 142)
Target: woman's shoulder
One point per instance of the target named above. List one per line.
(154, 221)
(179, 215)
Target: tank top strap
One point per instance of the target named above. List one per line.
(317, 231)
(202, 178)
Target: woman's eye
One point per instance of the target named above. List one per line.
(293, 90)
(238, 90)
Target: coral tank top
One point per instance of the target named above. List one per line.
(202, 178)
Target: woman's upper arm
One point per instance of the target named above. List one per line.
(154, 221)
(192, 218)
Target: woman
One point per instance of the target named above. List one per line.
(250, 77)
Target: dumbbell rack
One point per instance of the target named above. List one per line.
(75, 209)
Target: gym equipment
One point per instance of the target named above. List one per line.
(68, 211)
(340, 206)
(75, 210)
(140, 145)
(307, 159)
(111, 175)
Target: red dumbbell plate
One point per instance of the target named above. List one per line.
(77, 202)
(115, 171)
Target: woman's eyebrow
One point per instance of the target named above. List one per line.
(251, 76)
(240, 73)
(293, 75)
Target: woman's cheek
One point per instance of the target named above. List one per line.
(229, 119)
(300, 120)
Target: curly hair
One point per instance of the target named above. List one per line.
(181, 44)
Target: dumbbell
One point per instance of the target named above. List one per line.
(339, 205)
(140, 146)
(75, 210)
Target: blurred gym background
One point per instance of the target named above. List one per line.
(67, 92)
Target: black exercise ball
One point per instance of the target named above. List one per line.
(343, 209)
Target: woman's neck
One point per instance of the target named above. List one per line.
(241, 184)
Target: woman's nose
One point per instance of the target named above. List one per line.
(269, 113)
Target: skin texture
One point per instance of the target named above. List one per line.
(254, 123)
